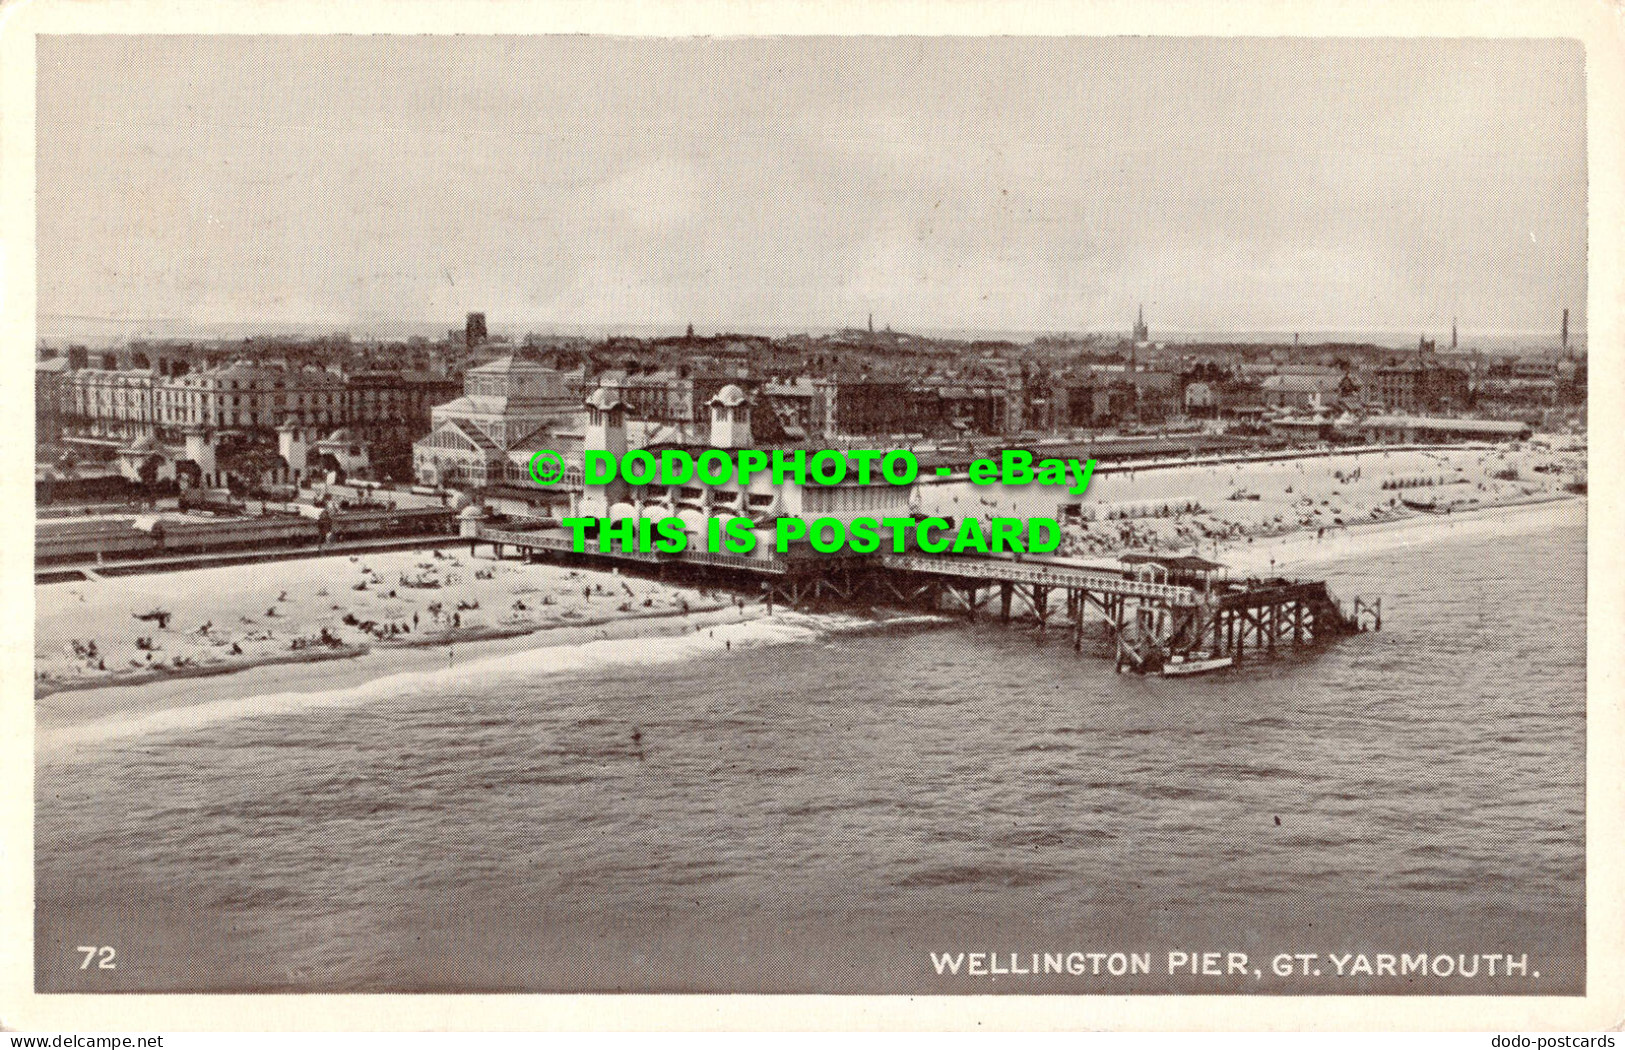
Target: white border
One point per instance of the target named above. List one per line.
(1601, 25)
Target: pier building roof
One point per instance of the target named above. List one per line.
(509, 364)
(475, 404)
(1465, 426)
(729, 396)
(606, 398)
(1178, 562)
(695, 449)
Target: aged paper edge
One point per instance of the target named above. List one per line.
(1598, 23)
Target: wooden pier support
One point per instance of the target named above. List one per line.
(1146, 621)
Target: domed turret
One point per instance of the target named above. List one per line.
(469, 518)
(606, 422)
(730, 418)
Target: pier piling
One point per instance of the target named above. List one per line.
(1189, 613)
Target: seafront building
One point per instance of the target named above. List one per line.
(50, 398)
(759, 499)
(467, 411)
(510, 408)
(1309, 393)
(1421, 388)
(260, 418)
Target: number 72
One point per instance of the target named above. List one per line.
(106, 962)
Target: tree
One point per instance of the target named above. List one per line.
(254, 464)
(149, 470)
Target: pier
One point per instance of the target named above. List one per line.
(1153, 609)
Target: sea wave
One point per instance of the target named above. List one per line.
(477, 676)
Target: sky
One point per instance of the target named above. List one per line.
(989, 184)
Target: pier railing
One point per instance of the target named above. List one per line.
(1049, 575)
(987, 570)
(553, 541)
(524, 539)
(734, 561)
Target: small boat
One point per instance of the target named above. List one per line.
(1177, 666)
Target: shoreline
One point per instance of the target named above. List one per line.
(70, 725)
(348, 609)
(446, 638)
(71, 711)
(65, 708)
(118, 633)
(116, 679)
(1300, 543)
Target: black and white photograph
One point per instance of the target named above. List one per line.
(905, 515)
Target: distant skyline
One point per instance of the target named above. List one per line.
(1024, 185)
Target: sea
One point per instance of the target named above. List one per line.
(832, 805)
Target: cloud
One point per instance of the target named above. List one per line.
(650, 197)
(1041, 183)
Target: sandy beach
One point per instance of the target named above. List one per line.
(323, 609)
(1232, 511)
(351, 618)
(766, 773)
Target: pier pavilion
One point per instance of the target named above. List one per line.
(1153, 608)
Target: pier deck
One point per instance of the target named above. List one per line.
(1147, 622)
(996, 570)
